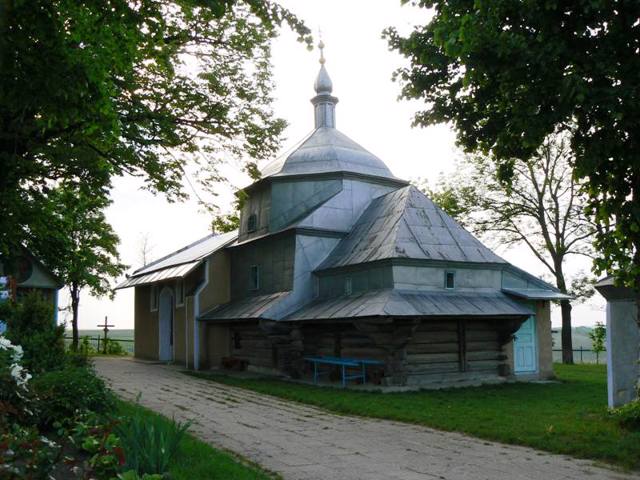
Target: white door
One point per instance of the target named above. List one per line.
(525, 348)
(165, 325)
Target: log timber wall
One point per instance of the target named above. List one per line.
(415, 352)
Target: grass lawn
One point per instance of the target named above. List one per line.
(568, 417)
(197, 459)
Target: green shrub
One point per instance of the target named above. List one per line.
(115, 348)
(30, 324)
(628, 416)
(149, 443)
(67, 393)
(85, 348)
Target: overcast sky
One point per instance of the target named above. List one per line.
(360, 65)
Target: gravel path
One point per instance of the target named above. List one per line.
(305, 443)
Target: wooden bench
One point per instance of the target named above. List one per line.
(344, 364)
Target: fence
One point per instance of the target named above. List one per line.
(582, 355)
(97, 342)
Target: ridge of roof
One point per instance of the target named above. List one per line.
(405, 223)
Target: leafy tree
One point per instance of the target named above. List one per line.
(455, 199)
(78, 244)
(96, 89)
(508, 73)
(542, 207)
(226, 222)
(598, 335)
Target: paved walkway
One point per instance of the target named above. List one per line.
(305, 443)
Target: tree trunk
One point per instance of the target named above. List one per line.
(567, 341)
(565, 308)
(75, 303)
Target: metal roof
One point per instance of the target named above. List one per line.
(246, 308)
(536, 294)
(179, 263)
(406, 224)
(328, 150)
(404, 303)
(169, 273)
(194, 251)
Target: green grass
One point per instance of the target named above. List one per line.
(569, 417)
(197, 459)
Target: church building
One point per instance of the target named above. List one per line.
(335, 256)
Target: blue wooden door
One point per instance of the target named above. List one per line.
(525, 348)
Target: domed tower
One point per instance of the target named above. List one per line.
(303, 205)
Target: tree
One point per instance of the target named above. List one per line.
(598, 335)
(78, 244)
(145, 248)
(93, 90)
(541, 207)
(508, 73)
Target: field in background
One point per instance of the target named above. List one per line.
(126, 335)
(581, 340)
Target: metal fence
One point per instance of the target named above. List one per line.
(98, 342)
(582, 355)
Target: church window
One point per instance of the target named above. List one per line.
(348, 286)
(154, 298)
(449, 280)
(252, 223)
(254, 277)
(180, 292)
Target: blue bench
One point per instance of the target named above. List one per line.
(344, 364)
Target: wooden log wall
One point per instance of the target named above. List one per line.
(454, 350)
(341, 340)
(251, 344)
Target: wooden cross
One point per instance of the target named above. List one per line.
(105, 329)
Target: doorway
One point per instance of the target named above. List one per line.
(525, 351)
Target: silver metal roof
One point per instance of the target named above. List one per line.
(328, 150)
(407, 224)
(194, 251)
(169, 273)
(245, 308)
(536, 294)
(179, 263)
(403, 303)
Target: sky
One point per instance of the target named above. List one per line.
(361, 66)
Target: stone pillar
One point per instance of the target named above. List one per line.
(623, 343)
(623, 338)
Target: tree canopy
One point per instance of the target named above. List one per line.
(508, 73)
(92, 90)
